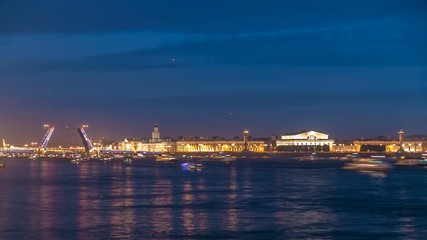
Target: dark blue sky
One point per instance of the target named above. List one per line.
(347, 68)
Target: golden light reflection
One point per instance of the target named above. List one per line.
(162, 211)
(48, 197)
(187, 213)
(202, 216)
(232, 218)
(34, 195)
(123, 222)
(87, 201)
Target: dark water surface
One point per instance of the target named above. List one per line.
(248, 199)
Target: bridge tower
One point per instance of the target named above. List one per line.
(86, 141)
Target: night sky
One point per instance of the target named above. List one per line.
(347, 68)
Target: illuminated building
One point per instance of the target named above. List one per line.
(414, 145)
(155, 144)
(310, 141)
(155, 135)
(219, 146)
(345, 147)
(137, 145)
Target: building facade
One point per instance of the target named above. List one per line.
(345, 147)
(390, 146)
(310, 141)
(153, 145)
(219, 146)
(146, 146)
(187, 146)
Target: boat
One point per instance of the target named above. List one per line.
(187, 166)
(366, 164)
(217, 156)
(2, 165)
(105, 159)
(229, 158)
(222, 157)
(77, 160)
(307, 158)
(166, 158)
(411, 162)
(128, 161)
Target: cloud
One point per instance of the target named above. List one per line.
(261, 99)
(26, 47)
(219, 16)
(385, 42)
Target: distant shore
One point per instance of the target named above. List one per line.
(298, 154)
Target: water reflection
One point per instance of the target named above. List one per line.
(407, 225)
(47, 197)
(88, 200)
(92, 200)
(123, 219)
(162, 203)
(298, 201)
(202, 216)
(187, 212)
(374, 174)
(232, 212)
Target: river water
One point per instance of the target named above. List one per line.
(246, 199)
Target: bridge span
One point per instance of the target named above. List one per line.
(42, 149)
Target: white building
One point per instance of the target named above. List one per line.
(305, 141)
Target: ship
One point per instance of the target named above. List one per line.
(187, 166)
(411, 162)
(367, 164)
(166, 158)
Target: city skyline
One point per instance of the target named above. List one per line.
(354, 69)
(68, 135)
(213, 119)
